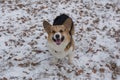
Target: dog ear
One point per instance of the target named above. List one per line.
(68, 23)
(47, 26)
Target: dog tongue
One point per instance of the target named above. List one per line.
(58, 42)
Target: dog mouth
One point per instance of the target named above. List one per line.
(58, 41)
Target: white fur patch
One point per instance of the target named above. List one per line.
(58, 50)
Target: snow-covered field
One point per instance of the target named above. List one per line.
(23, 51)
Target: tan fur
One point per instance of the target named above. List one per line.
(67, 46)
(47, 26)
(69, 23)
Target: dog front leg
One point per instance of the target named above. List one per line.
(70, 58)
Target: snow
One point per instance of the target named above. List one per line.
(23, 51)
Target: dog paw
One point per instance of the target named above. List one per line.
(53, 62)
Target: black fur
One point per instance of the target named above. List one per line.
(59, 20)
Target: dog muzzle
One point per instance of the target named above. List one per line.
(58, 38)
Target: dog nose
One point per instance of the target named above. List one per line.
(57, 36)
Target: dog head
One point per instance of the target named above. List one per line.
(58, 33)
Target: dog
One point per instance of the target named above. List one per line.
(60, 37)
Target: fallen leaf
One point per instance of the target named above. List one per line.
(37, 51)
(24, 64)
(79, 72)
(4, 78)
(102, 70)
(34, 63)
(94, 70)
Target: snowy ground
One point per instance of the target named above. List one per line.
(23, 51)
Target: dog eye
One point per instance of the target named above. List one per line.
(61, 31)
(53, 31)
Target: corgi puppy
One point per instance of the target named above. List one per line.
(60, 37)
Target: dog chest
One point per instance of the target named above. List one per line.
(59, 52)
